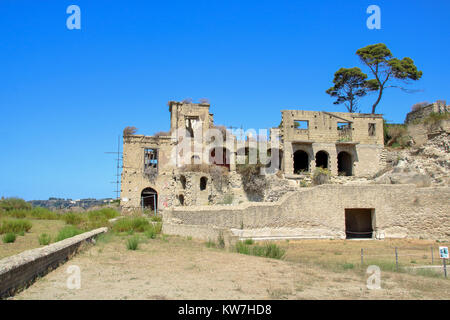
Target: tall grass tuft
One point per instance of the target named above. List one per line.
(133, 243)
(10, 237)
(15, 226)
(44, 239)
(68, 232)
(135, 224)
(268, 250)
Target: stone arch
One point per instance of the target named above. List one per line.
(345, 163)
(322, 159)
(301, 161)
(149, 199)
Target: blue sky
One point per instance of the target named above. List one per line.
(66, 95)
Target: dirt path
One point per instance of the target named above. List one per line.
(178, 268)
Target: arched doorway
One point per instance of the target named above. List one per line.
(149, 199)
(301, 161)
(345, 164)
(322, 159)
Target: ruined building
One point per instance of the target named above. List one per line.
(157, 175)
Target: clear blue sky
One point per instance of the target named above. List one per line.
(65, 95)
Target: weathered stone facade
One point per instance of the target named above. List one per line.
(395, 211)
(154, 177)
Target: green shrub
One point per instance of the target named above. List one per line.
(248, 241)
(137, 224)
(133, 243)
(108, 213)
(153, 230)
(269, 250)
(347, 266)
(43, 213)
(9, 237)
(156, 219)
(44, 239)
(16, 213)
(68, 232)
(8, 204)
(321, 176)
(15, 226)
(74, 218)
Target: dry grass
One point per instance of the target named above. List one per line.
(177, 268)
(30, 240)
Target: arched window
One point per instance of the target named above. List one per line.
(149, 199)
(322, 159)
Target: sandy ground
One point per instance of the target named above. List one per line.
(178, 268)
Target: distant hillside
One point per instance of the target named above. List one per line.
(59, 204)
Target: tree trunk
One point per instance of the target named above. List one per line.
(378, 100)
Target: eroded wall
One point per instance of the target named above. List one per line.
(400, 211)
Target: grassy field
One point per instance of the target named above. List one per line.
(338, 254)
(170, 267)
(30, 240)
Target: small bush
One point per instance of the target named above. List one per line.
(249, 241)
(156, 219)
(269, 250)
(347, 266)
(74, 218)
(153, 230)
(129, 131)
(8, 204)
(9, 237)
(43, 214)
(68, 232)
(135, 224)
(44, 239)
(15, 226)
(133, 243)
(321, 176)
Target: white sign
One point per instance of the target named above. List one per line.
(443, 252)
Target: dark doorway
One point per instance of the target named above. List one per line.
(203, 183)
(345, 164)
(322, 159)
(359, 223)
(220, 157)
(181, 199)
(149, 199)
(301, 161)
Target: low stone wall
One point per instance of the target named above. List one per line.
(401, 211)
(19, 271)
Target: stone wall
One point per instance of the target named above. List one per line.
(20, 270)
(401, 211)
(421, 113)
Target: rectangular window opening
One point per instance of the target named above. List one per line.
(359, 223)
(301, 124)
(150, 159)
(371, 129)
